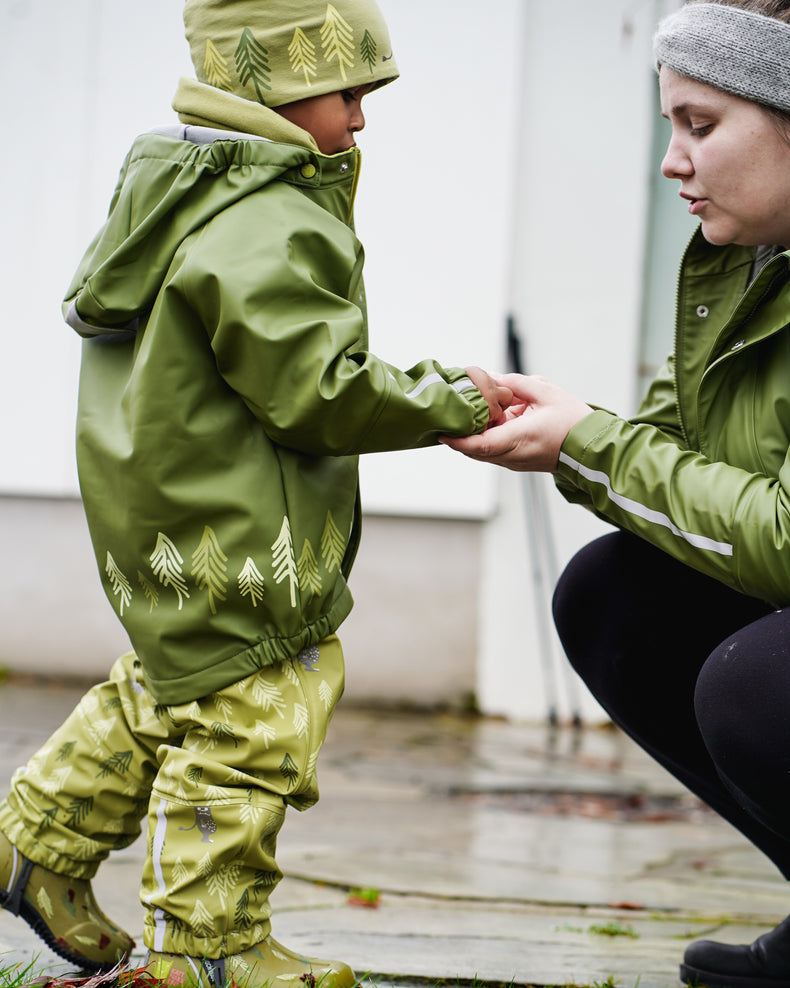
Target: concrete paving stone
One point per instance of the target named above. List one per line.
(430, 810)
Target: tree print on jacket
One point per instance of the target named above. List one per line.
(211, 567)
(250, 581)
(167, 564)
(283, 562)
(120, 585)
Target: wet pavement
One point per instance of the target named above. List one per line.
(495, 851)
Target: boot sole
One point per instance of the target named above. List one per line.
(710, 979)
(39, 926)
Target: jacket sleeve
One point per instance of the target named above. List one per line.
(658, 408)
(286, 321)
(721, 520)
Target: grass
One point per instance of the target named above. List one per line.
(31, 976)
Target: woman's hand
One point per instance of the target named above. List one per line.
(530, 432)
(496, 395)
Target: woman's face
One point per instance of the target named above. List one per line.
(732, 163)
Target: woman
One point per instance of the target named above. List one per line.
(679, 620)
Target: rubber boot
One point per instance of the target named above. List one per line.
(762, 964)
(267, 963)
(61, 910)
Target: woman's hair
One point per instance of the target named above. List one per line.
(780, 11)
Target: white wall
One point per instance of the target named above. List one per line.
(580, 208)
(79, 79)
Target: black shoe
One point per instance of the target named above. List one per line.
(762, 964)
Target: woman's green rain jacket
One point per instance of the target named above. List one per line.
(225, 392)
(703, 470)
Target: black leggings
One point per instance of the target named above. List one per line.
(696, 673)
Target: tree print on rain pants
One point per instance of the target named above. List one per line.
(213, 777)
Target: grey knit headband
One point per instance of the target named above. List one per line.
(735, 50)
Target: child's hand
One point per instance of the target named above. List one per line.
(532, 429)
(497, 395)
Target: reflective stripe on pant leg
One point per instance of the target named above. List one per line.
(157, 844)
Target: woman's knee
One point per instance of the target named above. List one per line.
(595, 600)
(743, 689)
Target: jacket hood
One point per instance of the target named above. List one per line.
(172, 182)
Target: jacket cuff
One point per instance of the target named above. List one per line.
(463, 385)
(579, 439)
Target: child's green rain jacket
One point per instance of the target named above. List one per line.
(225, 392)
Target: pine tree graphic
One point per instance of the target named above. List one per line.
(209, 569)
(195, 774)
(201, 919)
(283, 562)
(220, 730)
(118, 762)
(368, 50)
(120, 585)
(252, 62)
(150, 592)
(181, 874)
(337, 40)
(166, 562)
(65, 750)
(251, 582)
(215, 67)
(326, 693)
(222, 705)
(301, 53)
(307, 569)
(78, 809)
(267, 695)
(243, 915)
(288, 770)
(264, 880)
(56, 781)
(301, 722)
(265, 731)
(332, 544)
(223, 881)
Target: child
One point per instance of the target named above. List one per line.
(226, 390)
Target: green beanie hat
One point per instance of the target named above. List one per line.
(278, 51)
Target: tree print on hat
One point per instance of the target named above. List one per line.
(216, 68)
(368, 50)
(252, 63)
(337, 40)
(301, 54)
